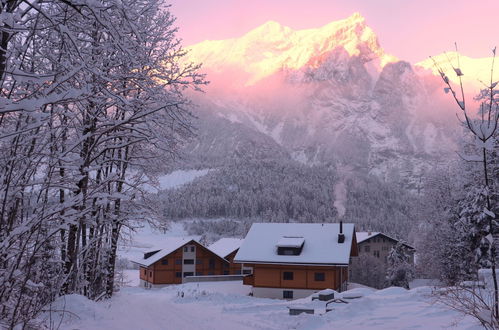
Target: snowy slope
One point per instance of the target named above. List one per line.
(225, 305)
(474, 70)
(133, 244)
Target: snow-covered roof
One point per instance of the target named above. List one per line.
(225, 246)
(365, 235)
(170, 245)
(320, 243)
(290, 241)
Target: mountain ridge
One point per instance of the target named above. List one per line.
(272, 47)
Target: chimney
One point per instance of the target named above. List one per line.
(341, 236)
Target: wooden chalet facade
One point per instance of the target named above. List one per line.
(291, 261)
(178, 259)
(379, 245)
(227, 249)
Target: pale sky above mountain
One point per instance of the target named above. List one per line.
(410, 30)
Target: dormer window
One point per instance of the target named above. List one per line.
(290, 245)
(149, 254)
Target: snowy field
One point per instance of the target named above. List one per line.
(143, 239)
(226, 305)
(176, 179)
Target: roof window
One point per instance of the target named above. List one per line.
(290, 245)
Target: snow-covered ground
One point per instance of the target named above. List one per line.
(176, 179)
(133, 244)
(226, 305)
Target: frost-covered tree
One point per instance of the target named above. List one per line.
(368, 270)
(92, 98)
(479, 209)
(442, 239)
(400, 271)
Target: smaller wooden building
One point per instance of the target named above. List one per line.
(227, 249)
(379, 245)
(177, 259)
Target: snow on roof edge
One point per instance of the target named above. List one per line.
(164, 251)
(376, 233)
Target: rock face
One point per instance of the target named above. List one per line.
(328, 96)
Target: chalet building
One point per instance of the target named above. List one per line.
(227, 249)
(177, 259)
(295, 260)
(379, 245)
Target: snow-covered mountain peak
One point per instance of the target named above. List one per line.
(273, 47)
(270, 30)
(475, 70)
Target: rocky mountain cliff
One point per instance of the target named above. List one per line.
(328, 96)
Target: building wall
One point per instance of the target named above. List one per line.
(379, 246)
(278, 293)
(304, 277)
(208, 263)
(172, 268)
(234, 269)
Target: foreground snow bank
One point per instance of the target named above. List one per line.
(226, 305)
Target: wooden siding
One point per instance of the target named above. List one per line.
(207, 263)
(272, 276)
(234, 269)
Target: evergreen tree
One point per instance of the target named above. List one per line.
(400, 271)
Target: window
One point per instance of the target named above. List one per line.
(199, 273)
(188, 274)
(188, 261)
(210, 273)
(376, 254)
(145, 271)
(178, 274)
(178, 261)
(212, 263)
(199, 261)
(367, 248)
(226, 272)
(384, 248)
(246, 271)
(288, 276)
(186, 249)
(288, 251)
(287, 294)
(193, 248)
(319, 277)
(164, 262)
(150, 274)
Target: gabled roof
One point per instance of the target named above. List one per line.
(171, 244)
(225, 246)
(320, 244)
(364, 236)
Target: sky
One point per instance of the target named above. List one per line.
(411, 30)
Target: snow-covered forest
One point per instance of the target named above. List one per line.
(98, 101)
(277, 191)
